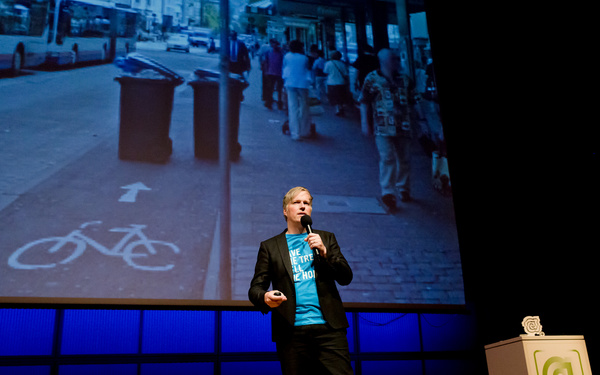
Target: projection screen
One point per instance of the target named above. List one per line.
(79, 224)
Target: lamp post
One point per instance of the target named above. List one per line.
(224, 152)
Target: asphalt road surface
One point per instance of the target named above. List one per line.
(69, 228)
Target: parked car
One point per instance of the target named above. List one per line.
(178, 41)
(199, 38)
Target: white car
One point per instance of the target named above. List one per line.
(199, 38)
(178, 41)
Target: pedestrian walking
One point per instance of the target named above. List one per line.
(365, 63)
(391, 96)
(319, 77)
(296, 75)
(313, 55)
(239, 59)
(262, 54)
(273, 68)
(337, 82)
(211, 45)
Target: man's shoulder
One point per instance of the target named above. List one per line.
(274, 239)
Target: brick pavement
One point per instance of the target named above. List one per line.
(410, 256)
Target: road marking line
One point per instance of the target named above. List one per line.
(211, 282)
(132, 192)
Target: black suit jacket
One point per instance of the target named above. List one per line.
(243, 58)
(273, 265)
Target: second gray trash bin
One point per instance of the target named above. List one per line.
(206, 113)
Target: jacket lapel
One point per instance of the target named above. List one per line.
(285, 253)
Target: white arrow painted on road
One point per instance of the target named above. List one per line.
(132, 192)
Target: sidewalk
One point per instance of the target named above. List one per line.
(410, 256)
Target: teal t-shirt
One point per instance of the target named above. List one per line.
(308, 309)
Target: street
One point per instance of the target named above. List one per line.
(77, 222)
(59, 141)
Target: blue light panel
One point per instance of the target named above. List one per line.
(388, 332)
(100, 332)
(120, 369)
(177, 368)
(26, 332)
(25, 370)
(262, 368)
(392, 367)
(246, 331)
(350, 332)
(168, 331)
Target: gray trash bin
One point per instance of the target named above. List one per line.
(147, 92)
(206, 113)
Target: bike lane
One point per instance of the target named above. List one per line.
(73, 236)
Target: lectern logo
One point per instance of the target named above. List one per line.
(556, 366)
(548, 364)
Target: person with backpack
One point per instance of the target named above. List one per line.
(297, 78)
(337, 82)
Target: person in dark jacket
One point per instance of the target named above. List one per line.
(239, 59)
(308, 321)
(273, 67)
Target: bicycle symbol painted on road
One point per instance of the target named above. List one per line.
(134, 248)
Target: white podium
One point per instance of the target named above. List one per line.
(538, 355)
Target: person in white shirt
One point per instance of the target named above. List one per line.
(337, 78)
(297, 78)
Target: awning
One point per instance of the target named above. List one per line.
(261, 4)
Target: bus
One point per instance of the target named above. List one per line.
(23, 33)
(89, 30)
(63, 32)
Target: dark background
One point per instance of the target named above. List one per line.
(524, 166)
(524, 171)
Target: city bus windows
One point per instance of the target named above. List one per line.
(127, 25)
(14, 18)
(23, 18)
(64, 24)
(88, 21)
(37, 14)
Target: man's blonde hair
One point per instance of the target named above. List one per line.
(289, 196)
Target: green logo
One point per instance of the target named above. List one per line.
(557, 366)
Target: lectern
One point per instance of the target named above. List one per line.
(538, 354)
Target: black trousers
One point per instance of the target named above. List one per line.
(272, 84)
(314, 350)
(264, 85)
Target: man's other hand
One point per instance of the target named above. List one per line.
(274, 301)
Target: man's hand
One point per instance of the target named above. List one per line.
(274, 301)
(315, 242)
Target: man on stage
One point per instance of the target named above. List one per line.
(308, 321)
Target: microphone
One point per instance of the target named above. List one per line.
(306, 222)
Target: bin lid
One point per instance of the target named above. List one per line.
(136, 64)
(212, 75)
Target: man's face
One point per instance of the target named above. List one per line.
(298, 207)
